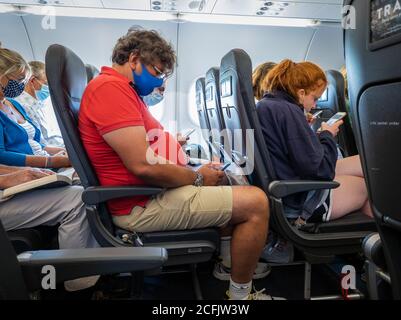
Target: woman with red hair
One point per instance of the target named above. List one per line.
(298, 153)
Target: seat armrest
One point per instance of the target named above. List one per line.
(281, 189)
(96, 195)
(76, 263)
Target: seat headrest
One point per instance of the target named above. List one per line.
(213, 74)
(64, 67)
(91, 72)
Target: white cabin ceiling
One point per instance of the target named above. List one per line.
(323, 10)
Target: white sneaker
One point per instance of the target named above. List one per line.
(257, 295)
(223, 273)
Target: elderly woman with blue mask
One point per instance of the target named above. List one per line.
(20, 138)
(35, 101)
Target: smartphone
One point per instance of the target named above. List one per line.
(188, 133)
(337, 117)
(317, 114)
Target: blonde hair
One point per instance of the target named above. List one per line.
(290, 77)
(258, 76)
(12, 62)
(37, 68)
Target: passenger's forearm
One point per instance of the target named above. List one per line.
(168, 175)
(9, 169)
(164, 173)
(53, 150)
(36, 161)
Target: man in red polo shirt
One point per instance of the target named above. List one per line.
(127, 146)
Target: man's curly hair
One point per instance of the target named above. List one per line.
(149, 46)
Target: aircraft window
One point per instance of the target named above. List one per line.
(209, 93)
(198, 98)
(192, 103)
(50, 119)
(157, 110)
(325, 96)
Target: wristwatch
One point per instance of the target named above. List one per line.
(199, 180)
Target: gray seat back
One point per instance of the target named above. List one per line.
(333, 101)
(372, 51)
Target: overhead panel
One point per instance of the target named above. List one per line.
(127, 4)
(65, 3)
(88, 3)
(183, 6)
(311, 9)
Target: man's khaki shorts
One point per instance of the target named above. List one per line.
(182, 208)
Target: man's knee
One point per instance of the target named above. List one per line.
(253, 201)
(72, 198)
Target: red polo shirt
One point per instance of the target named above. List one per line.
(110, 103)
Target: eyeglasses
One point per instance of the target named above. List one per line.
(160, 74)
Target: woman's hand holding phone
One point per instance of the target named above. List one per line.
(333, 129)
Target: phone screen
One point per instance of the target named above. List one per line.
(188, 133)
(317, 114)
(338, 116)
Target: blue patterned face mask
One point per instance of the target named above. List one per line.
(13, 89)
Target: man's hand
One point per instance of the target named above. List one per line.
(59, 162)
(211, 176)
(22, 176)
(309, 117)
(333, 129)
(182, 140)
(62, 153)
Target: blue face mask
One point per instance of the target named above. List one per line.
(43, 93)
(13, 89)
(154, 98)
(145, 82)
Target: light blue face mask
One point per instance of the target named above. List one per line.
(154, 98)
(43, 93)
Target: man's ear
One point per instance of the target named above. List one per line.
(133, 60)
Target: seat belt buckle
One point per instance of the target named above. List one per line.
(132, 238)
(137, 239)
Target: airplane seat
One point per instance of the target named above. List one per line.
(67, 82)
(91, 72)
(25, 239)
(374, 71)
(202, 112)
(21, 274)
(201, 108)
(377, 276)
(213, 107)
(321, 242)
(330, 103)
(38, 238)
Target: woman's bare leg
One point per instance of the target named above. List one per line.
(351, 196)
(350, 166)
